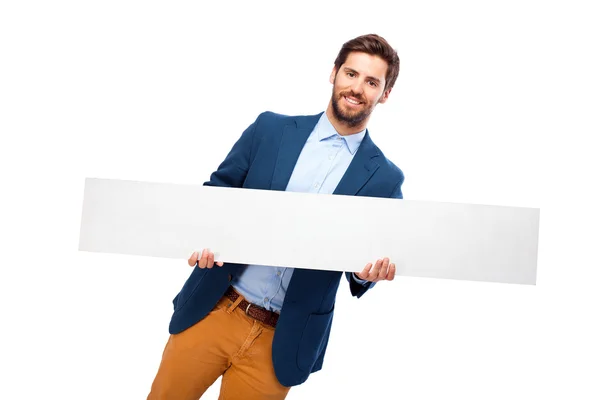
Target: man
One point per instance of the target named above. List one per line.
(265, 329)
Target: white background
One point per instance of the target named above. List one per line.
(496, 103)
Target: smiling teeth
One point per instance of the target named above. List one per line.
(352, 101)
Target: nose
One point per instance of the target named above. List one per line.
(357, 87)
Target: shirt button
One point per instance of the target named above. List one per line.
(278, 273)
(266, 300)
(330, 157)
(316, 185)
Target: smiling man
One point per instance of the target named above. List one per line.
(265, 329)
(357, 88)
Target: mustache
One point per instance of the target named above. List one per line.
(350, 93)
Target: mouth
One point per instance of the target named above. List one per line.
(352, 101)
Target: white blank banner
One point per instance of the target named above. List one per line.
(303, 230)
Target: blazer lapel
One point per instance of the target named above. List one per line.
(360, 170)
(292, 141)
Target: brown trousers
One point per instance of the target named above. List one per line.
(226, 342)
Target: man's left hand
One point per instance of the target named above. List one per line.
(381, 271)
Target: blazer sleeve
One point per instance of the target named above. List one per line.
(397, 192)
(359, 288)
(233, 170)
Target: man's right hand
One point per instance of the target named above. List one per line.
(206, 260)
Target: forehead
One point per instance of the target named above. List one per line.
(366, 64)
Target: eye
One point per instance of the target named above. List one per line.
(373, 84)
(351, 74)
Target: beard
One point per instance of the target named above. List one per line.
(351, 119)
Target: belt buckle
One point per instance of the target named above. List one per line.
(248, 307)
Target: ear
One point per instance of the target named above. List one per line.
(332, 76)
(384, 96)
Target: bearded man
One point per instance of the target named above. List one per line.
(265, 329)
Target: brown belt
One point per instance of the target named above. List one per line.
(261, 314)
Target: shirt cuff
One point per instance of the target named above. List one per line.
(359, 281)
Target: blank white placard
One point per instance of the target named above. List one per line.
(303, 230)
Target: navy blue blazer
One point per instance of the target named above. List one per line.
(264, 158)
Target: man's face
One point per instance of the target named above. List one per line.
(358, 86)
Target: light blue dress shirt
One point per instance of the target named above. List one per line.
(320, 167)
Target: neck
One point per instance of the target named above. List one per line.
(342, 127)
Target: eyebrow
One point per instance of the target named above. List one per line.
(348, 69)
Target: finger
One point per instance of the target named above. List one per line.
(391, 272)
(220, 263)
(203, 260)
(384, 269)
(364, 274)
(211, 259)
(193, 259)
(375, 271)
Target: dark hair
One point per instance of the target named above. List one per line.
(377, 46)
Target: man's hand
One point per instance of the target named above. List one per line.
(382, 271)
(207, 259)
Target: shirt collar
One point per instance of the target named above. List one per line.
(325, 130)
